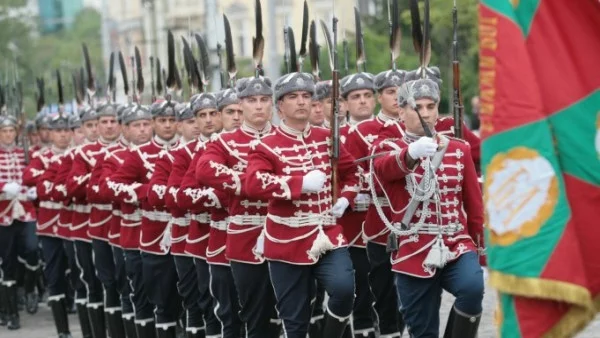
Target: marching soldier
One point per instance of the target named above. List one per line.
(191, 197)
(291, 169)
(17, 224)
(359, 140)
(120, 184)
(42, 125)
(169, 171)
(36, 174)
(195, 196)
(443, 219)
(75, 181)
(222, 167)
(112, 160)
(88, 163)
(130, 184)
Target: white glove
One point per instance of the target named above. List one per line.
(31, 194)
(423, 147)
(362, 198)
(313, 181)
(339, 207)
(11, 189)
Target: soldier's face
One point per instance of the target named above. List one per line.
(295, 106)
(210, 121)
(326, 104)
(8, 135)
(189, 129)
(257, 110)
(165, 127)
(139, 131)
(90, 130)
(78, 136)
(61, 138)
(34, 139)
(108, 128)
(360, 103)
(428, 110)
(316, 113)
(45, 135)
(388, 98)
(232, 116)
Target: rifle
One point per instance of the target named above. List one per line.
(334, 121)
(458, 110)
(152, 79)
(286, 50)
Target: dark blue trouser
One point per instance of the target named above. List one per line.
(187, 286)
(227, 305)
(85, 261)
(160, 281)
(420, 298)
(18, 240)
(105, 270)
(123, 286)
(381, 281)
(75, 273)
(206, 301)
(257, 299)
(294, 287)
(56, 265)
(363, 313)
(139, 297)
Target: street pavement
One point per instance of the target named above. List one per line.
(41, 325)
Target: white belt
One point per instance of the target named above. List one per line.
(201, 218)
(303, 221)
(51, 205)
(157, 216)
(248, 219)
(181, 221)
(220, 225)
(21, 197)
(361, 206)
(135, 217)
(116, 212)
(103, 207)
(82, 208)
(382, 201)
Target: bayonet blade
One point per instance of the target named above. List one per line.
(329, 44)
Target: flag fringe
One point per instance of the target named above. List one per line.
(583, 308)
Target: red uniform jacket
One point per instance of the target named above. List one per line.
(130, 184)
(191, 196)
(132, 217)
(12, 165)
(58, 172)
(101, 208)
(84, 161)
(223, 167)
(35, 175)
(299, 225)
(359, 140)
(182, 157)
(461, 205)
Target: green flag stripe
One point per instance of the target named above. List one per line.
(522, 15)
(528, 256)
(510, 324)
(576, 130)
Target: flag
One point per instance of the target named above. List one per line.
(539, 72)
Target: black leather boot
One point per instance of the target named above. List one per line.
(59, 312)
(461, 325)
(97, 320)
(3, 309)
(334, 327)
(12, 308)
(146, 329)
(129, 326)
(116, 328)
(31, 298)
(84, 320)
(195, 332)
